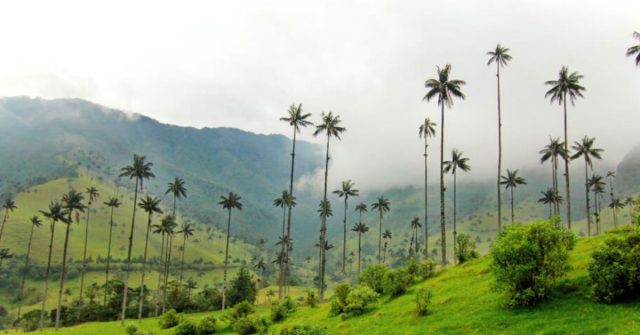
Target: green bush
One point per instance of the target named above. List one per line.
(528, 260)
(427, 268)
(465, 248)
(373, 276)
(241, 310)
(289, 305)
(396, 282)
(278, 312)
(339, 300)
(311, 300)
(207, 325)
(303, 330)
(359, 299)
(250, 325)
(169, 319)
(186, 327)
(615, 269)
(242, 288)
(131, 329)
(423, 299)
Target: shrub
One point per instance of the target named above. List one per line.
(427, 268)
(241, 310)
(397, 281)
(311, 300)
(423, 299)
(131, 329)
(289, 305)
(169, 319)
(373, 276)
(250, 325)
(186, 327)
(303, 330)
(528, 260)
(278, 312)
(207, 325)
(359, 299)
(339, 300)
(29, 321)
(412, 266)
(465, 248)
(615, 269)
(242, 288)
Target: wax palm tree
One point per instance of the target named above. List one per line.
(457, 162)
(283, 202)
(4, 255)
(610, 176)
(150, 205)
(9, 206)
(445, 89)
(635, 50)
(71, 202)
(566, 87)
(178, 190)
(361, 208)
(596, 183)
(500, 56)
(330, 125)
(426, 130)
(550, 153)
(139, 170)
(186, 231)
(415, 225)
(170, 227)
(35, 223)
(511, 181)
(382, 205)
(360, 228)
(229, 203)
(56, 213)
(260, 265)
(615, 205)
(550, 197)
(586, 149)
(386, 236)
(165, 228)
(345, 192)
(93, 194)
(112, 203)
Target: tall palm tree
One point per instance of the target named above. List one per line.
(230, 202)
(112, 203)
(511, 181)
(9, 206)
(139, 170)
(56, 213)
(415, 225)
(445, 89)
(426, 130)
(150, 205)
(345, 192)
(187, 230)
(35, 223)
(178, 190)
(382, 205)
(615, 205)
(360, 228)
(93, 194)
(296, 119)
(283, 202)
(260, 266)
(500, 56)
(330, 125)
(72, 202)
(610, 176)
(170, 227)
(550, 197)
(386, 236)
(551, 152)
(586, 150)
(165, 228)
(566, 87)
(325, 212)
(452, 166)
(635, 50)
(361, 208)
(596, 182)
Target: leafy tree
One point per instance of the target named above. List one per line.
(426, 130)
(457, 162)
(229, 202)
(614, 271)
(360, 228)
(445, 89)
(112, 203)
(635, 50)
(566, 87)
(35, 223)
(9, 206)
(345, 192)
(56, 213)
(586, 150)
(466, 248)
(242, 288)
(511, 181)
(93, 194)
(150, 205)
(382, 205)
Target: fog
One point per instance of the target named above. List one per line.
(242, 63)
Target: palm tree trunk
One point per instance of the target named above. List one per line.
(144, 270)
(167, 267)
(84, 252)
(160, 275)
(126, 274)
(46, 275)
(380, 238)
(615, 223)
(184, 246)
(4, 220)
(443, 231)
(359, 250)
(586, 185)
(513, 215)
(499, 153)
(106, 282)
(24, 274)
(63, 272)
(282, 251)
(344, 236)
(226, 262)
(566, 164)
(293, 158)
(323, 227)
(555, 185)
(455, 232)
(426, 200)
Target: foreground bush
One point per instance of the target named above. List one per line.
(359, 299)
(373, 277)
(280, 310)
(423, 299)
(169, 319)
(186, 327)
(615, 269)
(427, 268)
(396, 282)
(339, 300)
(240, 310)
(250, 325)
(131, 329)
(311, 300)
(303, 330)
(465, 248)
(528, 260)
(207, 325)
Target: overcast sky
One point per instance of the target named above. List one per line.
(242, 63)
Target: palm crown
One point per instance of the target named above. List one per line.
(415, 223)
(361, 207)
(360, 228)
(139, 170)
(500, 56)
(456, 162)
(444, 88)
(55, 212)
(72, 201)
(550, 196)
(347, 190)
(177, 188)
(567, 86)
(325, 209)
(585, 149)
(387, 234)
(35, 220)
(113, 202)
(9, 205)
(93, 194)
(512, 180)
(330, 125)
(150, 204)
(635, 50)
(296, 118)
(187, 230)
(554, 149)
(427, 129)
(382, 205)
(231, 201)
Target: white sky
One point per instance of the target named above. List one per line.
(242, 63)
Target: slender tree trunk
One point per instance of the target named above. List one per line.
(380, 238)
(106, 276)
(499, 153)
(555, 185)
(550, 210)
(52, 228)
(323, 227)
(24, 274)
(226, 262)
(63, 272)
(167, 267)
(443, 229)
(144, 269)
(84, 252)
(184, 246)
(293, 158)
(282, 251)
(359, 251)
(613, 211)
(513, 215)
(126, 274)
(426, 199)
(4, 220)
(455, 232)
(159, 293)
(586, 185)
(344, 236)
(566, 164)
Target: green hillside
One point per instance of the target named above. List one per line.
(463, 302)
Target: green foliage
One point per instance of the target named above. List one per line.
(311, 300)
(186, 327)
(615, 269)
(427, 268)
(241, 310)
(423, 299)
(207, 325)
(303, 330)
(339, 300)
(412, 266)
(373, 276)
(528, 260)
(169, 319)
(278, 312)
(29, 321)
(243, 288)
(359, 299)
(131, 329)
(466, 248)
(250, 325)
(396, 282)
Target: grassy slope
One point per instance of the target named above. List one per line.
(463, 303)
